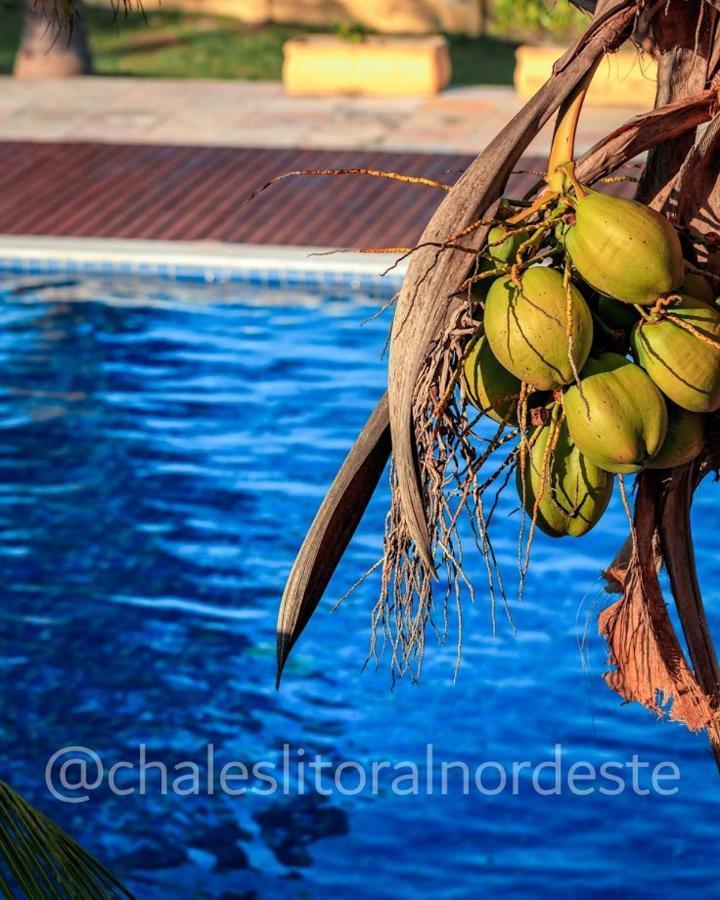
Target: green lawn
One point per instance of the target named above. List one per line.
(483, 60)
(178, 45)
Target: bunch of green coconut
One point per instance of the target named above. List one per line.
(597, 343)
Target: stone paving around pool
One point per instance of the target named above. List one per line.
(259, 114)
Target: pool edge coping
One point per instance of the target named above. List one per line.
(206, 261)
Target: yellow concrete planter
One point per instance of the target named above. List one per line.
(376, 66)
(623, 79)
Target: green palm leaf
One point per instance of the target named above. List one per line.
(39, 859)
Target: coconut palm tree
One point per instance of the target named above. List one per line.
(414, 422)
(52, 46)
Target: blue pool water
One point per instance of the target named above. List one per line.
(162, 451)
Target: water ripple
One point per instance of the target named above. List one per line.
(162, 451)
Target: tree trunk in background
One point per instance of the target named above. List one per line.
(483, 16)
(49, 49)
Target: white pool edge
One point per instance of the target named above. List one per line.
(205, 260)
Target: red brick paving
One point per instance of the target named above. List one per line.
(184, 193)
(199, 193)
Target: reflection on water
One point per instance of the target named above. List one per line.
(160, 458)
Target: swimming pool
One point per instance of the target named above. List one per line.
(163, 449)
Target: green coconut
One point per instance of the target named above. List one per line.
(489, 386)
(628, 418)
(624, 249)
(682, 365)
(504, 243)
(572, 493)
(685, 438)
(527, 328)
(697, 286)
(615, 314)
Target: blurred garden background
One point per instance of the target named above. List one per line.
(243, 39)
